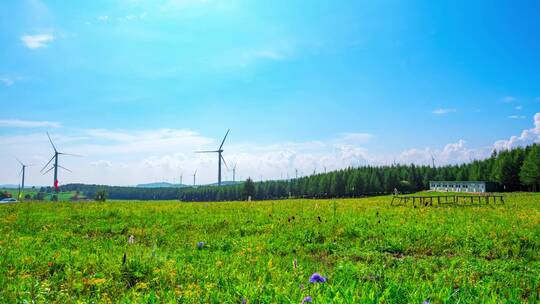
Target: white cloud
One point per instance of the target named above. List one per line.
(443, 111)
(103, 18)
(17, 123)
(527, 137)
(128, 157)
(37, 41)
(517, 116)
(452, 153)
(519, 108)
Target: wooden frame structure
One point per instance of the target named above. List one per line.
(445, 200)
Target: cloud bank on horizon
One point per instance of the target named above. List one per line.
(125, 157)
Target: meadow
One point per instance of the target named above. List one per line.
(266, 252)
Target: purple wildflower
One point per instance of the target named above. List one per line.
(317, 278)
(200, 245)
(306, 299)
(244, 301)
(425, 302)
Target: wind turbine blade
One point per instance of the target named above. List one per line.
(48, 163)
(48, 170)
(69, 154)
(224, 139)
(51, 142)
(64, 168)
(206, 151)
(20, 173)
(20, 162)
(224, 162)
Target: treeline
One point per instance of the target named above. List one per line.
(514, 170)
(125, 193)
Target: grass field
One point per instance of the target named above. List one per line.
(370, 252)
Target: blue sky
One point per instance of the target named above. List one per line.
(302, 84)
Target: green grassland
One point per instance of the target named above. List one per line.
(370, 252)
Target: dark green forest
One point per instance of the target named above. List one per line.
(514, 170)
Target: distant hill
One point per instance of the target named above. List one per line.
(9, 186)
(161, 185)
(169, 185)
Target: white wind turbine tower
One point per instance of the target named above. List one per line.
(234, 173)
(55, 165)
(23, 173)
(219, 151)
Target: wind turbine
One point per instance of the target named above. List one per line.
(220, 157)
(194, 176)
(432, 160)
(181, 176)
(234, 173)
(55, 166)
(23, 171)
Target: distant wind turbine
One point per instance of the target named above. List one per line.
(219, 151)
(23, 171)
(432, 160)
(55, 166)
(234, 173)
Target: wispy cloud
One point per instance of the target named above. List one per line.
(101, 163)
(17, 123)
(132, 17)
(519, 108)
(248, 57)
(517, 116)
(103, 18)
(509, 99)
(443, 111)
(37, 41)
(267, 54)
(7, 81)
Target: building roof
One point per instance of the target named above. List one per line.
(459, 182)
